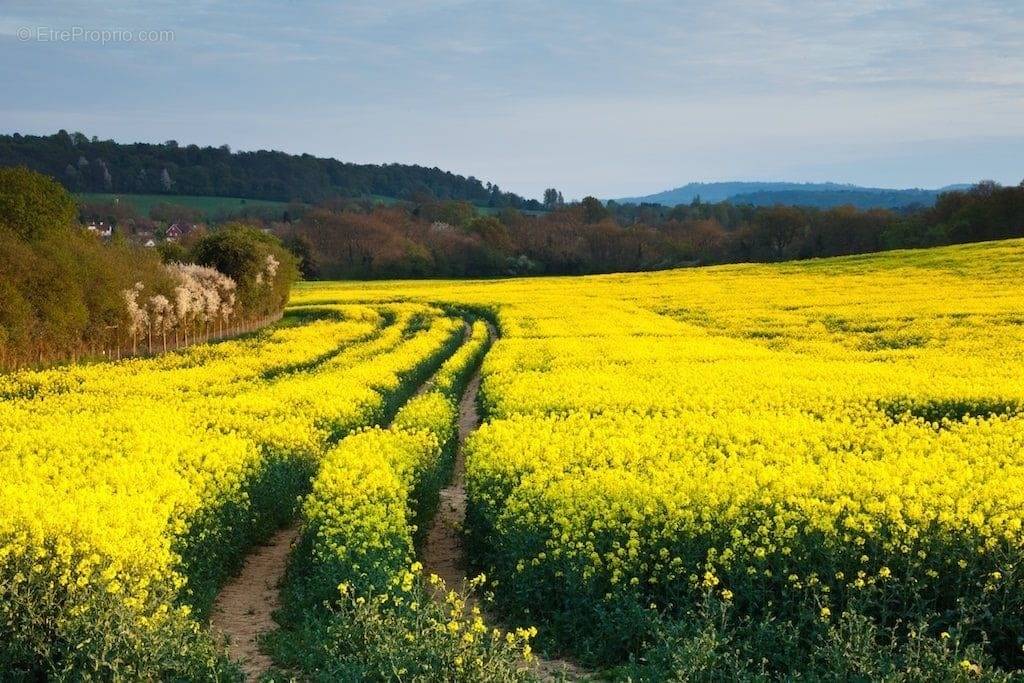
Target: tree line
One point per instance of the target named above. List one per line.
(67, 294)
(84, 164)
(352, 239)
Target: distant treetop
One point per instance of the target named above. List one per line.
(84, 164)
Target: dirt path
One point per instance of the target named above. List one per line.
(244, 609)
(245, 606)
(444, 551)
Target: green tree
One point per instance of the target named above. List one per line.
(779, 226)
(491, 231)
(32, 205)
(458, 214)
(593, 210)
(302, 249)
(172, 252)
(552, 198)
(257, 261)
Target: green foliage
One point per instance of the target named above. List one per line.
(172, 252)
(456, 214)
(406, 636)
(167, 212)
(491, 231)
(104, 166)
(260, 265)
(588, 237)
(713, 644)
(302, 249)
(105, 643)
(32, 205)
(552, 198)
(60, 288)
(593, 210)
(447, 239)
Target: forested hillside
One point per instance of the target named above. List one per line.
(450, 239)
(84, 164)
(340, 229)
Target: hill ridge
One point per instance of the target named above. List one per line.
(787, 192)
(90, 165)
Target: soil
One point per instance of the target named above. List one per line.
(244, 609)
(443, 551)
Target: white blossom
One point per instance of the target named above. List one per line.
(271, 267)
(138, 319)
(204, 293)
(161, 313)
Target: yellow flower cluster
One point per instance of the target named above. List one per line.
(452, 376)
(432, 412)
(357, 552)
(775, 435)
(377, 485)
(121, 483)
(360, 509)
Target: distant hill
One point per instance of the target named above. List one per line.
(824, 199)
(90, 165)
(821, 195)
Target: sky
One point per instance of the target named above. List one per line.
(592, 97)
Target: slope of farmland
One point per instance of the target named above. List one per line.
(806, 469)
(755, 470)
(130, 490)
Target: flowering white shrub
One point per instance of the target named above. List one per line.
(203, 296)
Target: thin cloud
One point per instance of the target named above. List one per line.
(610, 98)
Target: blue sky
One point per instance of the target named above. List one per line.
(592, 97)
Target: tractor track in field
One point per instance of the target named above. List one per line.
(244, 609)
(444, 551)
(243, 612)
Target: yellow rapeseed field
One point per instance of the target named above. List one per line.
(783, 454)
(128, 489)
(793, 441)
